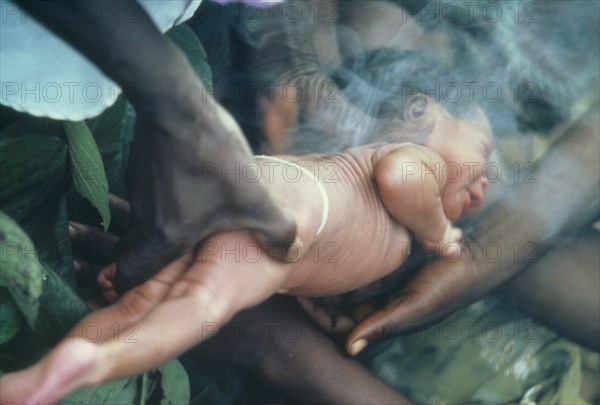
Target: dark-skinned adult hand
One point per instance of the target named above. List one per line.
(531, 217)
(94, 253)
(188, 152)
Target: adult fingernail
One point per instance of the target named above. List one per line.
(358, 346)
(72, 231)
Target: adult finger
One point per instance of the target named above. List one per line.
(432, 294)
(86, 275)
(122, 317)
(86, 272)
(92, 244)
(119, 211)
(332, 323)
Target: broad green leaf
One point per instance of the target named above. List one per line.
(175, 384)
(113, 135)
(22, 273)
(10, 320)
(214, 32)
(88, 169)
(33, 178)
(190, 45)
(24, 124)
(60, 309)
(115, 392)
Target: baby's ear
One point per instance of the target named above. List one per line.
(415, 107)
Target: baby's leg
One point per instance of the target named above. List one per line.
(562, 289)
(415, 200)
(278, 341)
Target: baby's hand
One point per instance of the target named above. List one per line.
(449, 246)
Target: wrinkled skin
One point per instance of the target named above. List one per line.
(182, 135)
(568, 199)
(286, 363)
(190, 197)
(203, 288)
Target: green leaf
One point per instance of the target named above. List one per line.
(113, 133)
(175, 384)
(10, 320)
(190, 45)
(88, 169)
(33, 178)
(8, 116)
(60, 309)
(21, 273)
(23, 124)
(115, 392)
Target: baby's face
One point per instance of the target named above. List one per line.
(465, 146)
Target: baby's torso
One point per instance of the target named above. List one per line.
(356, 242)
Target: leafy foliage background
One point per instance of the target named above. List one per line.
(52, 172)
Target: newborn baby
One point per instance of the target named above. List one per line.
(375, 196)
(355, 212)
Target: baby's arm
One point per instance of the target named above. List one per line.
(410, 185)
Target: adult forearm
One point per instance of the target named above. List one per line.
(310, 369)
(529, 220)
(120, 38)
(533, 216)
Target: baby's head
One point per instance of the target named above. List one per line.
(465, 146)
(389, 85)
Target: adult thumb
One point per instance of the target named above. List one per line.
(436, 291)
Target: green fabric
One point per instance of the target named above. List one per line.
(487, 353)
